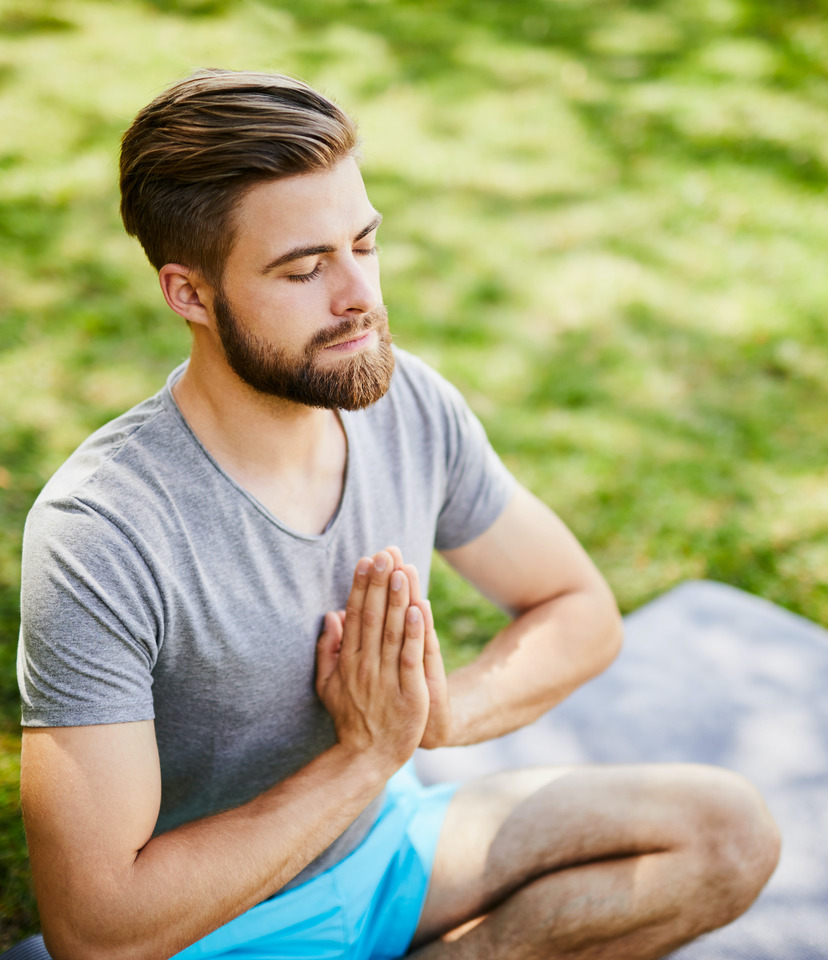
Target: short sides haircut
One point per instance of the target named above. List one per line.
(190, 155)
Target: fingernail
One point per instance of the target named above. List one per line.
(413, 614)
(380, 562)
(363, 566)
(396, 580)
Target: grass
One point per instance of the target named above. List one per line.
(606, 221)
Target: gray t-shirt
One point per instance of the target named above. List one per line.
(154, 586)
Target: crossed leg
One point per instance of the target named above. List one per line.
(594, 862)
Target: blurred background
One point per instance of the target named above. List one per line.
(605, 220)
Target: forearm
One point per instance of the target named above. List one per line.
(533, 664)
(183, 884)
(107, 890)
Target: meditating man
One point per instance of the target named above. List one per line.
(228, 656)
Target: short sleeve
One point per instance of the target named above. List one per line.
(90, 620)
(478, 485)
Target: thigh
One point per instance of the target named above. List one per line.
(502, 831)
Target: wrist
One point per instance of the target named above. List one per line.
(440, 730)
(435, 740)
(368, 768)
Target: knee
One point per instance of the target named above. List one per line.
(737, 843)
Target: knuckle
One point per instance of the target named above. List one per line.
(352, 614)
(391, 636)
(409, 661)
(346, 656)
(370, 618)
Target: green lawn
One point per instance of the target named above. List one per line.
(606, 221)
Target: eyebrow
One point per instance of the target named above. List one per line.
(297, 253)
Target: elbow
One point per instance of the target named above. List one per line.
(86, 951)
(66, 945)
(62, 946)
(606, 631)
(61, 939)
(613, 639)
(99, 926)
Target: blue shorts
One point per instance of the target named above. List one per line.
(366, 907)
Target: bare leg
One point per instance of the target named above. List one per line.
(594, 862)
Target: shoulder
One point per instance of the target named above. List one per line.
(121, 456)
(419, 391)
(421, 411)
(115, 443)
(107, 484)
(412, 373)
(441, 428)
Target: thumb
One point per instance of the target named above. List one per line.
(433, 657)
(327, 648)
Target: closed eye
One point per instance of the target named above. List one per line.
(305, 277)
(313, 274)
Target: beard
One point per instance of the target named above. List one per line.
(354, 382)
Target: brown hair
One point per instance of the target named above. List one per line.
(189, 156)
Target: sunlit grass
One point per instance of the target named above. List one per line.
(605, 221)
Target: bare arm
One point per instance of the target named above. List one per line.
(91, 797)
(566, 628)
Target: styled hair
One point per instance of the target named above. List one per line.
(189, 156)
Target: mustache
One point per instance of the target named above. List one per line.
(348, 330)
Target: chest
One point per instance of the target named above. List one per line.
(304, 504)
(306, 497)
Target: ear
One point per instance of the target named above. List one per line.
(186, 292)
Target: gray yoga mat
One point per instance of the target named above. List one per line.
(713, 675)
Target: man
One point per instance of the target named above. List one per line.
(201, 776)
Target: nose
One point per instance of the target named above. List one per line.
(356, 289)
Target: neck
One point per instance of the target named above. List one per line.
(230, 416)
(289, 456)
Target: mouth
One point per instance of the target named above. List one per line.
(360, 342)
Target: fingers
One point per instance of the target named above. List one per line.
(438, 731)
(396, 555)
(392, 639)
(374, 621)
(375, 605)
(370, 670)
(414, 580)
(432, 655)
(409, 569)
(412, 677)
(352, 626)
(428, 617)
(327, 649)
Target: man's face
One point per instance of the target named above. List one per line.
(299, 314)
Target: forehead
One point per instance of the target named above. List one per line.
(327, 207)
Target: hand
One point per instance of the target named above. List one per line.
(439, 725)
(370, 672)
(438, 728)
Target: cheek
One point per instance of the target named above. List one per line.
(371, 270)
(279, 310)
